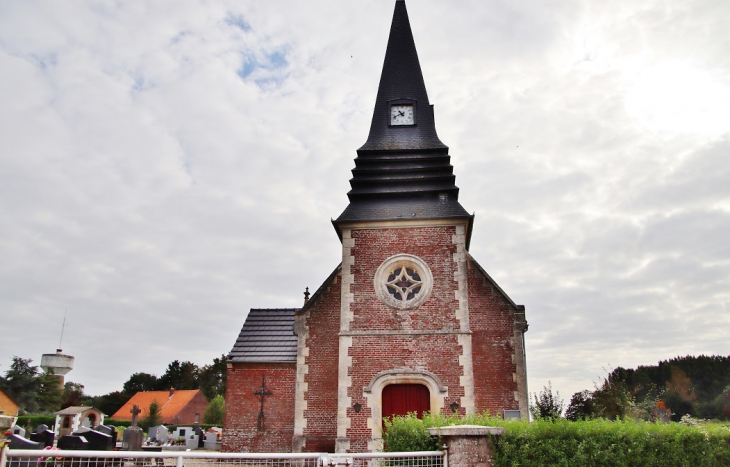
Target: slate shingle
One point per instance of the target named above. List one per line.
(266, 336)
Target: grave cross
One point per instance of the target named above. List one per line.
(135, 411)
(261, 392)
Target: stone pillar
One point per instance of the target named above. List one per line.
(133, 437)
(469, 445)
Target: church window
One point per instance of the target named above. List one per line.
(403, 281)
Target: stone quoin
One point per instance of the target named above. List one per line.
(408, 321)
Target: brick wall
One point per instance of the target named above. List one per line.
(241, 433)
(491, 319)
(422, 344)
(196, 405)
(323, 325)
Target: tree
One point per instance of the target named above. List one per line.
(581, 406)
(547, 405)
(73, 394)
(111, 402)
(141, 382)
(213, 378)
(153, 416)
(216, 411)
(21, 383)
(612, 399)
(50, 392)
(180, 376)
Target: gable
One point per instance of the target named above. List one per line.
(493, 283)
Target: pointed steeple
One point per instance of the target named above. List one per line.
(402, 79)
(403, 171)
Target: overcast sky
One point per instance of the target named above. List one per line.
(166, 166)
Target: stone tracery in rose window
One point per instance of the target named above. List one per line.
(404, 283)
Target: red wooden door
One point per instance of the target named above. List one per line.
(401, 399)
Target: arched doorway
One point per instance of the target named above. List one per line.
(402, 399)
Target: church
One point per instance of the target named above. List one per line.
(407, 322)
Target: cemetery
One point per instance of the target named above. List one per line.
(110, 438)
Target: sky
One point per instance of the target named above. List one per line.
(166, 166)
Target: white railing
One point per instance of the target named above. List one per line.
(59, 458)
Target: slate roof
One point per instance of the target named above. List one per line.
(402, 172)
(402, 78)
(267, 336)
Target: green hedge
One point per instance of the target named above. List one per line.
(590, 443)
(616, 444)
(32, 421)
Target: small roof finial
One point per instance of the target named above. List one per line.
(306, 294)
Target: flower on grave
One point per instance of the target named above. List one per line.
(49, 460)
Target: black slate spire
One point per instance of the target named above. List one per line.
(403, 171)
(402, 79)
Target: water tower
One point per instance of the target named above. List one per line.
(57, 364)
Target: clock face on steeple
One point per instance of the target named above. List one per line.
(402, 114)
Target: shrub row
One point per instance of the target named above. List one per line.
(589, 443)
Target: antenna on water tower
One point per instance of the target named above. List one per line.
(58, 364)
(63, 326)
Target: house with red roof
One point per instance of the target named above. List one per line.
(177, 407)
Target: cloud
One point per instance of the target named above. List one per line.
(165, 168)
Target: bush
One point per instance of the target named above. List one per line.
(585, 443)
(602, 442)
(408, 434)
(31, 421)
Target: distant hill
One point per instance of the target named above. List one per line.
(699, 386)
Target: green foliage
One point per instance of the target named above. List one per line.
(690, 385)
(547, 405)
(153, 416)
(581, 406)
(109, 403)
(179, 376)
(407, 434)
(602, 442)
(73, 395)
(216, 411)
(32, 421)
(34, 390)
(117, 423)
(213, 378)
(21, 383)
(586, 443)
(140, 382)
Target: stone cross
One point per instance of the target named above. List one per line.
(135, 411)
(262, 393)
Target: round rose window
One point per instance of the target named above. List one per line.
(403, 281)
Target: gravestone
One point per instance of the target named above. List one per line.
(109, 430)
(182, 431)
(72, 443)
(98, 441)
(200, 434)
(158, 433)
(18, 442)
(43, 435)
(211, 441)
(133, 435)
(192, 441)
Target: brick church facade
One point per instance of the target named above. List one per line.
(408, 321)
